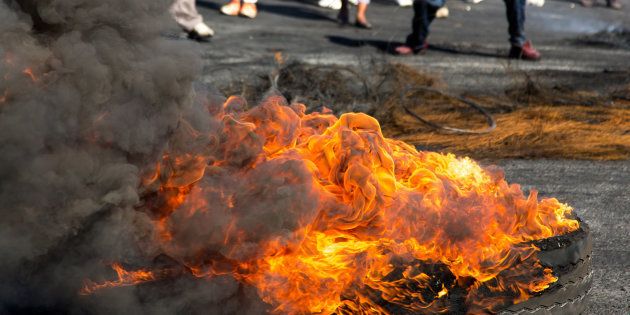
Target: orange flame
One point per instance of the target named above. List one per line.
(125, 278)
(391, 225)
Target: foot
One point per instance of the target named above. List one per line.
(364, 24)
(405, 50)
(232, 8)
(525, 52)
(249, 10)
(614, 4)
(201, 32)
(587, 3)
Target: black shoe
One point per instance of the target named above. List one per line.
(198, 37)
(363, 25)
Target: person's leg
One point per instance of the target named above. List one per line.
(424, 14)
(344, 15)
(515, 10)
(521, 47)
(185, 14)
(361, 20)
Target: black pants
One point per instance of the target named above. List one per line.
(424, 14)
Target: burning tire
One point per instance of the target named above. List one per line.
(325, 215)
(570, 257)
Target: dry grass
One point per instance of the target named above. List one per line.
(575, 132)
(532, 121)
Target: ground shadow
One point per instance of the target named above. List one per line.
(389, 46)
(382, 45)
(301, 12)
(470, 50)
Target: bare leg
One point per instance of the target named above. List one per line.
(361, 9)
(361, 20)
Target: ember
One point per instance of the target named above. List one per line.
(347, 221)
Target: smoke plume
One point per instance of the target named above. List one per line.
(90, 93)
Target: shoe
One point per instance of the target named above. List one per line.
(587, 3)
(249, 10)
(354, 2)
(614, 4)
(404, 50)
(364, 25)
(405, 3)
(536, 3)
(442, 13)
(232, 8)
(525, 52)
(332, 4)
(201, 32)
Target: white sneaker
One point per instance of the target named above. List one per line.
(537, 3)
(203, 30)
(332, 4)
(442, 13)
(354, 2)
(405, 3)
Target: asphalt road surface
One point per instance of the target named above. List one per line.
(600, 194)
(468, 48)
(468, 53)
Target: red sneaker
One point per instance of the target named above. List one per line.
(404, 50)
(525, 52)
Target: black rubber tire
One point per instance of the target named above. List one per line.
(570, 257)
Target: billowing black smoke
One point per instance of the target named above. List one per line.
(90, 93)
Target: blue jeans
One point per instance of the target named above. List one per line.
(424, 13)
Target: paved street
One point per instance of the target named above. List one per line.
(472, 40)
(600, 194)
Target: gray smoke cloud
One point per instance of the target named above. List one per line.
(90, 94)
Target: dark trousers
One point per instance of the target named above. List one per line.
(424, 13)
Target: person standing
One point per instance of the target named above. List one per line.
(247, 8)
(424, 14)
(185, 14)
(361, 19)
